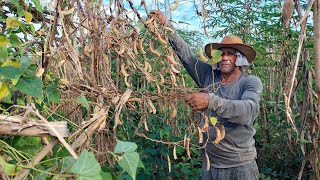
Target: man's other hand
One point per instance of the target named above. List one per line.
(198, 101)
(161, 18)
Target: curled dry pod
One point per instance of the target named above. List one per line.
(174, 69)
(152, 108)
(168, 29)
(151, 19)
(175, 6)
(95, 24)
(175, 152)
(218, 136)
(174, 110)
(222, 131)
(205, 127)
(173, 78)
(145, 124)
(188, 147)
(154, 52)
(126, 81)
(170, 59)
(206, 124)
(161, 79)
(147, 67)
(162, 41)
(115, 30)
(169, 163)
(135, 100)
(64, 82)
(183, 82)
(39, 72)
(86, 51)
(159, 90)
(207, 161)
(141, 46)
(202, 57)
(135, 51)
(61, 63)
(123, 70)
(200, 135)
(287, 11)
(67, 12)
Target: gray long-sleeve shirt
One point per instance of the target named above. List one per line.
(235, 104)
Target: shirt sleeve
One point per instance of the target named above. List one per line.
(197, 69)
(243, 111)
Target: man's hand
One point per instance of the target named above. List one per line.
(198, 101)
(161, 18)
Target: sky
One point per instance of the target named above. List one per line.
(184, 17)
(185, 13)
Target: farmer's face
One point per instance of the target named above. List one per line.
(228, 63)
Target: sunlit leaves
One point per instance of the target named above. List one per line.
(9, 62)
(28, 16)
(9, 169)
(4, 41)
(213, 121)
(4, 91)
(215, 56)
(12, 23)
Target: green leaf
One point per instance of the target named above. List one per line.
(67, 163)
(10, 72)
(31, 71)
(83, 101)
(38, 5)
(86, 165)
(29, 145)
(96, 177)
(4, 41)
(213, 121)
(9, 62)
(9, 169)
(105, 175)
(125, 146)
(4, 91)
(28, 16)
(3, 53)
(140, 164)
(32, 28)
(30, 86)
(12, 23)
(19, 10)
(129, 163)
(14, 40)
(53, 94)
(24, 63)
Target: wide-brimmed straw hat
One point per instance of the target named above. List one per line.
(232, 41)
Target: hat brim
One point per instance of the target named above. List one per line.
(248, 51)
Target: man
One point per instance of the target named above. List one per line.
(233, 97)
